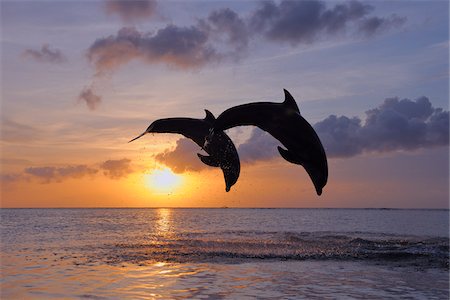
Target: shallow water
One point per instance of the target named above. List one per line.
(224, 253)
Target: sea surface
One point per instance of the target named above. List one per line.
(224, 254)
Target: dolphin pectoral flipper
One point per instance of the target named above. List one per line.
(289, 156)
(208, 160)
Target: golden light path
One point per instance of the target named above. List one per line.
(163, 180)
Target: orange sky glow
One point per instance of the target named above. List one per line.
(76, 90)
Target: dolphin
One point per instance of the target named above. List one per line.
(221, 150)
(284, 122)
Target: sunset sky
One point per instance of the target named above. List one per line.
(79, 79)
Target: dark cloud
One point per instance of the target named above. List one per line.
(223, 34)
(226, 22)
(395, 125)
(131, 10)
(58, 174)
(259, 146)
(92, 100)
(187, 47)
(45, 54)
(340, 135)
(181, 47)
(182, 158)
(373, 25)
(116, 169)
(299, 22)
(11, 178)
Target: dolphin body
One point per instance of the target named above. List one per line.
(284, 122)
(221, 150)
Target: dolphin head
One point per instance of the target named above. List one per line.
(148, 130)
(318, 172)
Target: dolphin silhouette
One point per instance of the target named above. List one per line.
(221, 150)
(284, 122)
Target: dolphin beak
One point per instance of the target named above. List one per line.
(318, 191)
(316, 178)
(138, 137)
(317, 184)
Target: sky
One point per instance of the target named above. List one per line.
(79, 79)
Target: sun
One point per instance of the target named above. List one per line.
(163, 180)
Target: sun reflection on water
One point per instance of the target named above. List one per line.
(164, 222)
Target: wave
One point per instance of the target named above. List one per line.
(242, 246)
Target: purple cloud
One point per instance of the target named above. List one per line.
(224, 35)
(195, 46)
(395, 125)
(180, 47)
(131, 10)
(373, 25)
(45, 54)
(259, 146)
(182, 158)
(116, 169)
(228, 27)
(58, 174)
(297, 22)
(92, 100)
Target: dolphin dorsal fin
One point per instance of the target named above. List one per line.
(289, 101)
(209, 116)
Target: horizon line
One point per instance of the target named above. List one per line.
(227, 207)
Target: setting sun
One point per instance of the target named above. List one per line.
(163, 180)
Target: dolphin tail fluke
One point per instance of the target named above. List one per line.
(208, 160)
(289, 156)
(289, 101)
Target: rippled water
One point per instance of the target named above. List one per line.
(224, 253)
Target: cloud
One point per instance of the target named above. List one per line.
(116, 169)
(58, 174)
(11, 178)
(259, 146)
(224, 35)
(92, 100)
(226, 22)
(396, 125)
(131, 10)
(180, 47)
(297, 22)
(373, 25)
(45, 54)
(182, 158)
(113, 169)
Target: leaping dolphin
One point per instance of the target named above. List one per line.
(221, 150)
(284, 122)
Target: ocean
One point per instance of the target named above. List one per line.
(224, 253)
